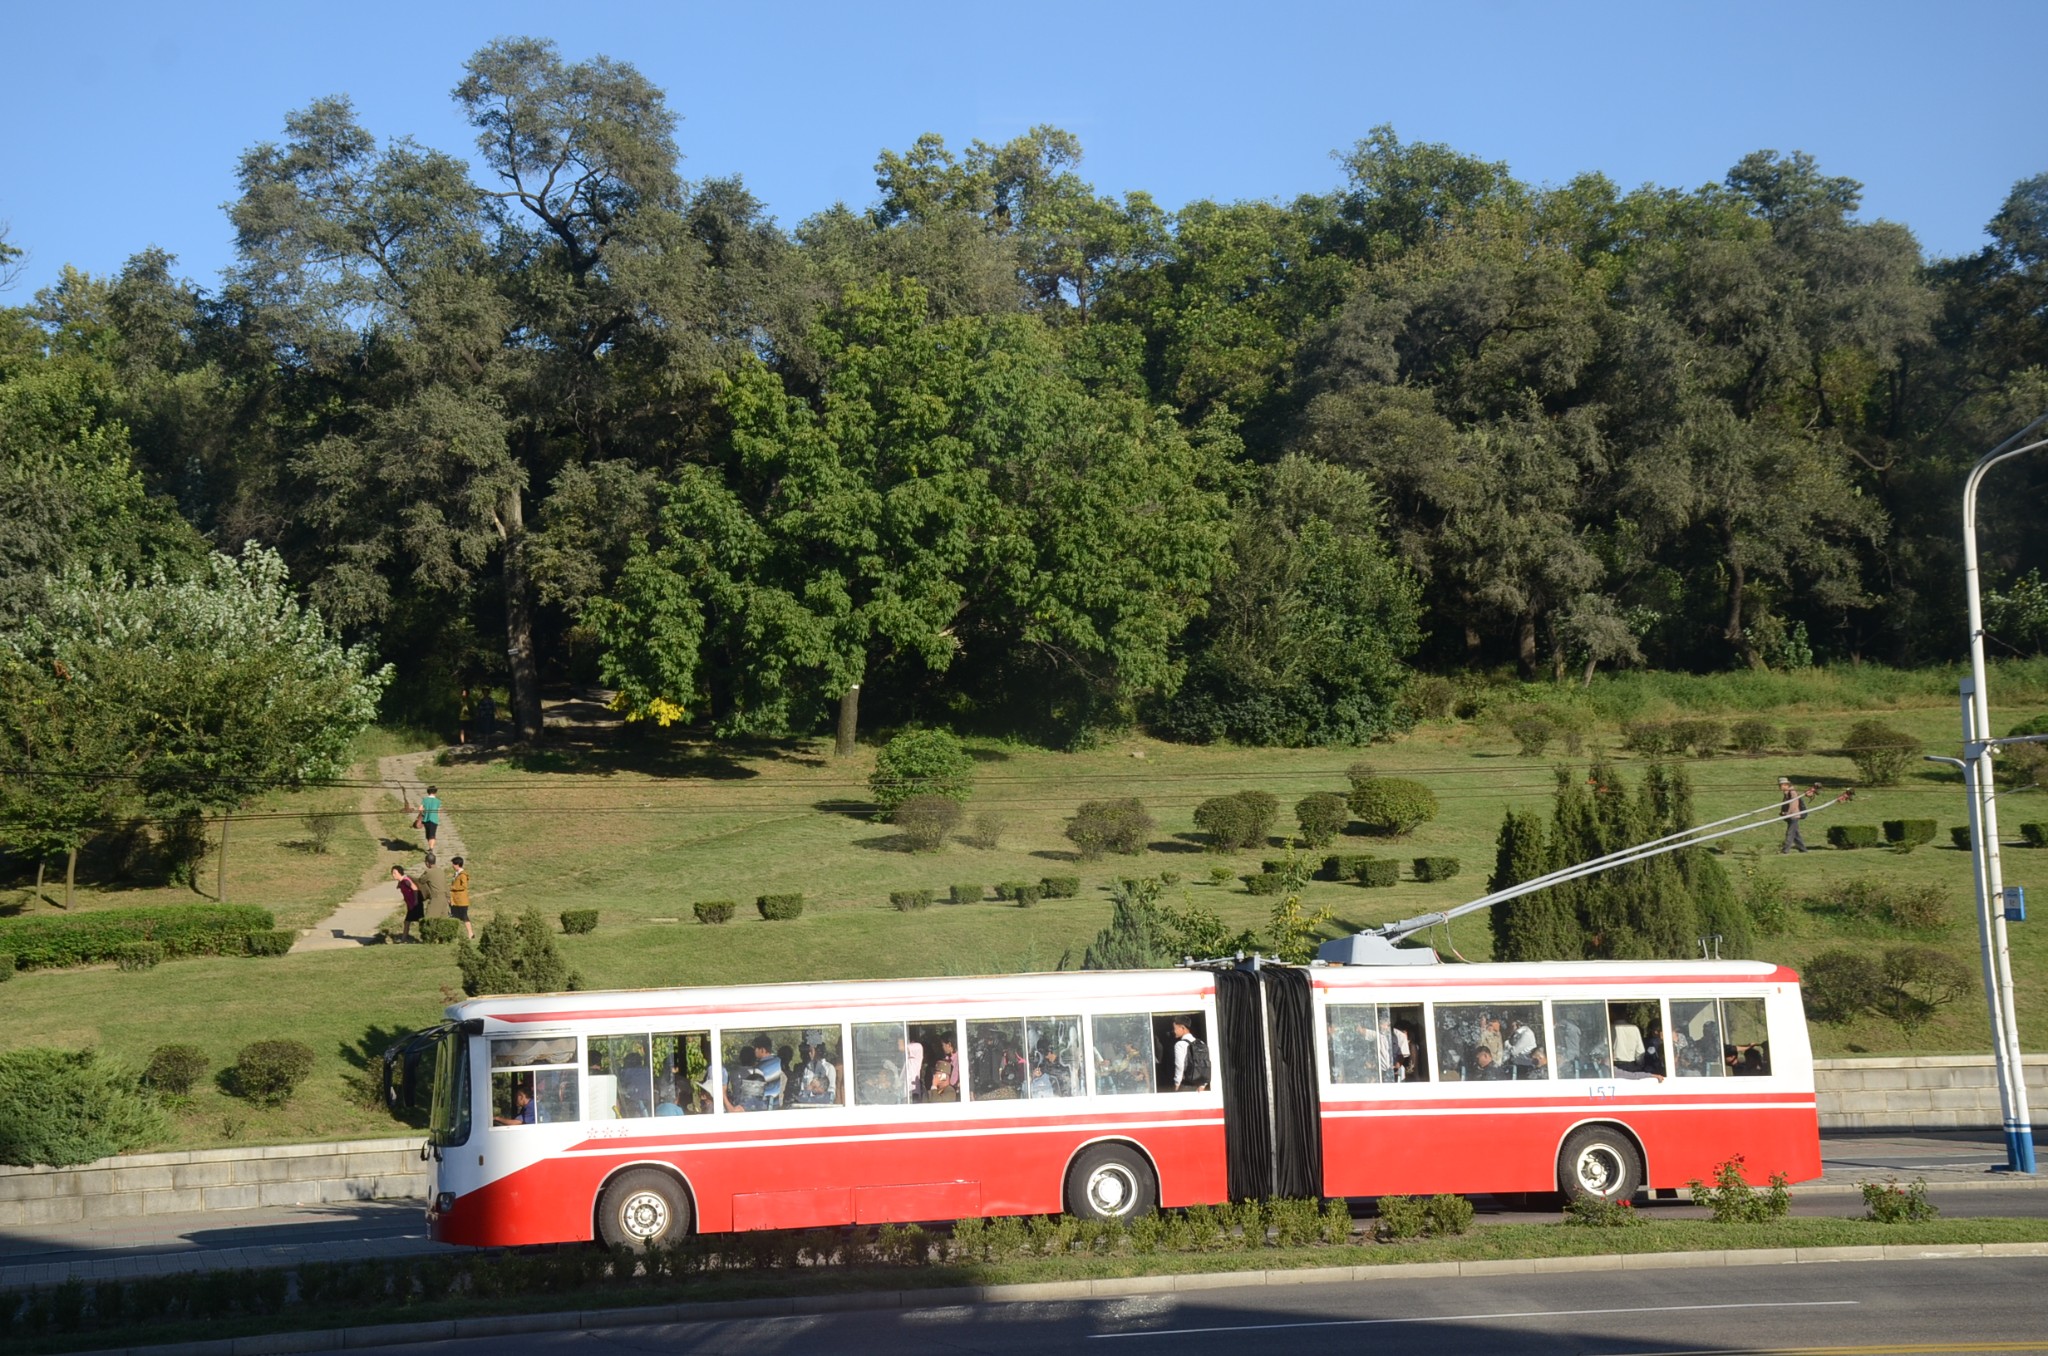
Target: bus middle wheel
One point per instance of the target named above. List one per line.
(642, 1208)
(1111, 1182)
(1601, 1162)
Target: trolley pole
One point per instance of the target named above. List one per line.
(1978, 748)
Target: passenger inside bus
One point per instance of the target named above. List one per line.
(522, 1108)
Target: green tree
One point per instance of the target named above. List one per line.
(1137, 936)
(1537, 926)
(70, 753)
(230, 687)
(921, 763)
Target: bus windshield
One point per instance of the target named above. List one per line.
(448, 1122)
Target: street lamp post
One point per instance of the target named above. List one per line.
(1978, 748)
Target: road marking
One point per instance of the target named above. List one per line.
(1529, 1313)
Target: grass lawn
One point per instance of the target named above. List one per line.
(640, 834)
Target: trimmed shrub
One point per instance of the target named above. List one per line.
(1008, 889)
(269, 1072)
(1798, 738)
(1752, 736)
(1428, 697)
(59, 1108)
(515, 954)
(1238, 821)
(1447, 1215)
(7, 966)
(578, 920)
(1321, 816)
(1703, 737)
(920, 763)
(275, 942)
(1264, 883)
(1908, 833)
(1837, 986)
(1119, 826)
(1920, 981)
(1343, 866)
(1027, 894)
(1651, 738)
(927, 821)
(910, 901)
(780, 908)
(1850, 836)
(139, 955)
(1435, 868)
(988, 831)
(968, 894)
(1880, 751)
(1060, 887)
(1960, 836)
(1221, 875)
(1884, 902)
(174, 1069)
(1533, 732)
(1379, 871)
(714, 910)
(1392, 805)
(89, 938)
(2034, 835)
(441, 931)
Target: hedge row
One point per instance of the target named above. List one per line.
(91, 938)
(1851, 836)
(1908, 833)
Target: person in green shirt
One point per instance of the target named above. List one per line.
(429, 818)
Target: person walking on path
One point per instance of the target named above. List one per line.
(1792, 808)
(428, 820)
(409, 891)
(433, 883)
(462, 719)
(458, 897)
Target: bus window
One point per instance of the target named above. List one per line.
(1123, 1054)
(879, 1077)
(682, 1073)
(816, 1081)
(1696, 1038)
(1488, 1042)
(1182, 1063)
(996, 1068)
(1742, 1027)
(1635, 1028)
(623, 1061)
(1376, 1043)
(1055, 1046)
(758, 1066)
(533, 1081)
(1580, 1040)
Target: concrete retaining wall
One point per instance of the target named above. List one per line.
(214, 1179)
(1930, 1092)
(1939, 1092)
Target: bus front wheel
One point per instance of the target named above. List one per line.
(642, 1208)
(1111, 1182)
(1599, 1161)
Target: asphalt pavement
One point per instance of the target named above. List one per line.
(1899, 1308)
(1961, 1168)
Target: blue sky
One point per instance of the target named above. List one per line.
(123, 122)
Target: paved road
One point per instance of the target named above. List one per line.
(1957, 1164)
(1841, 1308)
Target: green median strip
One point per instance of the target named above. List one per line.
(814, 1265)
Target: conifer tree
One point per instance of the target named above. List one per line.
(515, 956)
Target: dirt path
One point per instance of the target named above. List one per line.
(354, 922)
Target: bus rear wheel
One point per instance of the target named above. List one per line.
(1111, 1182)
(1601, 1162)
(641, 1209)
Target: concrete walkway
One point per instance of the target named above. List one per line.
(355, 922)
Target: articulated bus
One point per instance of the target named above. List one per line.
(635, 1117)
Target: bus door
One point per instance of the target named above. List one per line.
(1272, 1113)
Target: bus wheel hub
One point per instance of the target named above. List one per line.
(645, 1215)
(1110, 1191)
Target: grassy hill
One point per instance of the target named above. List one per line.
(641, 833)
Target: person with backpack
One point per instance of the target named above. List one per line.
(1190, 1059)
(428, 818)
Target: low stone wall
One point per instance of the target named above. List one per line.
(1928, 1092)
(215, 1179)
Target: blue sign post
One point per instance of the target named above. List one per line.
(2015, 903)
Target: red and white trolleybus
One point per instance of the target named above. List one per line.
(634, 1117)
